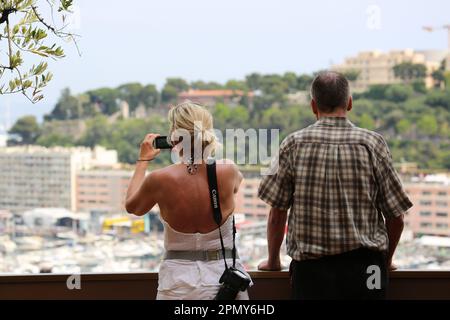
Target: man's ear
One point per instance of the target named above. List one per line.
(314, 107)
(350, 104)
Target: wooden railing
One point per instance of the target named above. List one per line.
(268, 285)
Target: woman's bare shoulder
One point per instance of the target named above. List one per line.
(161, 173)
(227, 166)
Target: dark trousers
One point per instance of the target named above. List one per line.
(350, 275)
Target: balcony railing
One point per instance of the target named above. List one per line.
(268, 285)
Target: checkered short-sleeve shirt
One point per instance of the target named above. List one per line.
(338, 182)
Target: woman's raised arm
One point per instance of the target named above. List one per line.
(141, 195)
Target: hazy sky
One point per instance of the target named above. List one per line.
(148, 41)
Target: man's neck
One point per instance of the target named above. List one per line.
(341, 114)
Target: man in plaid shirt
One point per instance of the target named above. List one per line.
(346, 202)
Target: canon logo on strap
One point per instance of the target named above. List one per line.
(214, 197)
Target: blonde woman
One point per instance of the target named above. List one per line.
(182, 194)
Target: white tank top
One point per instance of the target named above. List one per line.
(175, 240)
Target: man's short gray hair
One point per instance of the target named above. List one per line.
(330, 90)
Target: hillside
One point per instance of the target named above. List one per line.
(414, 120)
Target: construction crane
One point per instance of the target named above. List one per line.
(444, 27)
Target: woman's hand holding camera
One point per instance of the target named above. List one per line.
(148, 151)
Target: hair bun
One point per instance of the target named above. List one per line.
(197, 120)
(208, 136)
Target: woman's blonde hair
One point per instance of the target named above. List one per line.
(195, 119)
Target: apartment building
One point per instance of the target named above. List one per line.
(38, 177)
(102, 190)
(430, 214)
(376, 67)
(247, 201)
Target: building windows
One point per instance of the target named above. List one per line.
(441, 214)
(442, 225)
(425, 225)
(426, 193)
(442, 193)
(442, 204)
(425, 213)
(425, 203)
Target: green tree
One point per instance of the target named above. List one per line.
(253, 81)
(419, 86)
(428, 125)
(178, 83)
(149, 96)
(304, 81)
(403, 126)
(408, 71)
(131, 93)
(367, 122)
(444, 130)
(230, 117)
(445, 158)
(201, 85)
(127, 134)
(27, 129)
(67, 107)
(53, 139)
(172, 87)
(352, 75)
(437, 98)
(398, 93)
(27, 41)
(290, 78)
(169, 94)
(377, 92)
(273, 118)
(274, 91)
(105, 99)
(439, 75)
(236, 85)
(98, 132)
(221, 115)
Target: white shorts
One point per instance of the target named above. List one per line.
(199, 293)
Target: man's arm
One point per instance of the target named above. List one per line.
(394, 228)
(275, 234)
(392, 200)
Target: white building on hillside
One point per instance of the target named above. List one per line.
(376, 67)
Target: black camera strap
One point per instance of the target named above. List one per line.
(215, 203)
